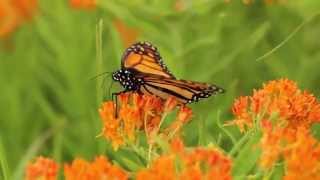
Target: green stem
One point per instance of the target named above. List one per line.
(241, 142)
(149, 153)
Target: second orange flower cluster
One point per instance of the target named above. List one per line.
(294, 107)
(285, 115)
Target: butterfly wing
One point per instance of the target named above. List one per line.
(143, 57)
(184, 91)
(145, 62)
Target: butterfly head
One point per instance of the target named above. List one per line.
(127, 79)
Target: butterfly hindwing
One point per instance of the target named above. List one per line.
(185, 91)
(144, 58)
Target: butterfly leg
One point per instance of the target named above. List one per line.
(114, 98)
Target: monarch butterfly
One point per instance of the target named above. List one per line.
(143, 71)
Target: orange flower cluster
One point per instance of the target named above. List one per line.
(272, 144)
(296, 108)
(299, 150)
(83, 4)
(286, 115)
(179, 163)
(13, 13)
(42, 168)
(100, 168)
(302, 157)
(198, 163)
(139, 112)
(79, 169)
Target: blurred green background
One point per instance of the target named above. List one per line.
(49, 105)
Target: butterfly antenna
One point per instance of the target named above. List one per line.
(103, 87)
(114, 97)
(101, 74)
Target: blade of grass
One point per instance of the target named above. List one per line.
(249, 43)
(290, 36)
(3, 162)
(99, 58)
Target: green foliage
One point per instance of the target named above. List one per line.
(49, 104)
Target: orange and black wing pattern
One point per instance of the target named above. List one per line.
(143, 70)
(143, 58)
(184, 91)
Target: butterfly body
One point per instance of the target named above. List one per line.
(143, 71)
(127, 79)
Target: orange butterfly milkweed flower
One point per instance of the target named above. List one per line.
(297, 108)
(42, 168)
(100, 168)
(136, 113)
(302, 157)
(181, 163)
(286, 114)
(271, 144)
(299, 151)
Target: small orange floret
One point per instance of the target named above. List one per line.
(217, 164)
(42, 168)
(240, 110)
(162, 168)
(170, 104)
(185, 114)
(177, 145)
(152, 104)
(100, 168)
(183, 117)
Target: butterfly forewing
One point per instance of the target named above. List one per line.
(143, 58)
